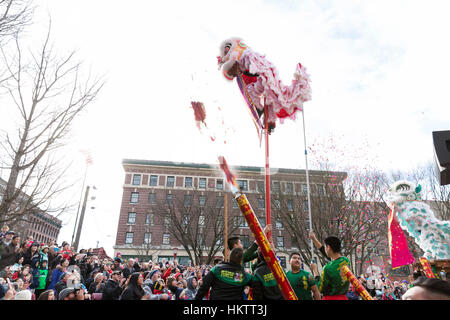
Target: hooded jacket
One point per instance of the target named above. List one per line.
(191, 291)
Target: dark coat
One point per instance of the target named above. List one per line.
(111, 291)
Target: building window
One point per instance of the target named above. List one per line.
(131, 218)
(304, 189)
(234, 203)
(260, 186)
(169, 199)
(242, 223)
(152, 198)
(280, 242)
(305, 205)
(289, 187)
(261, 203)
(202, 183)
(219, 184)
(243, 184)
(262, 221)
(276, 203)
(219, 202)
(276, 186)
(245, 240)
(187, 200)
(279, 223)
(188, 182)
(136, 180)
(129, 238)
(167, 221)
(201, 220)
(290, 206)
(134, 197)
(147, 238)
(170, 181)
(149, 218)
(153, 181)
(186, 220)
(166, 239)
(320, 190)
(201, 201)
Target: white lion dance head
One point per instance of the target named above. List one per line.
(417, 218)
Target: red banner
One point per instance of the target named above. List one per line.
(266, 248)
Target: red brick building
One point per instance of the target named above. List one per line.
(141, 229)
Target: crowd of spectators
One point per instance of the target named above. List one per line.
(30, 270)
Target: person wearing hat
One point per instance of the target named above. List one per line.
(114, 286)
(153, 287)
(23, 295)
(62, 283)
(31, 253)
(67, 294)
(9, 252)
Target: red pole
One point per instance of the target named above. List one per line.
(267, 172)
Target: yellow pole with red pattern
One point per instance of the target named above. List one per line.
(266, 248)
(347, 274)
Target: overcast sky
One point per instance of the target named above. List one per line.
(379, 72)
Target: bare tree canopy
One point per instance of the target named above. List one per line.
(197, 222)
(15, 15)
(44, 93)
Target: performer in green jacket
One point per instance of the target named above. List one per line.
(332, 285)
(302, 281)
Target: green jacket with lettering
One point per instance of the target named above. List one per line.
(331, 281)
(226, 281)
(264, 285)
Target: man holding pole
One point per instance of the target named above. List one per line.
(332, 285)
(301, 281)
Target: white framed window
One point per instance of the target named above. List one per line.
(169, 199)
(149, 219)
(261, 203)
(153, 180)
(278, 223)
(276, 186)
(129, 237)
(290, 205)
(289, 187)
(187, 200)
(202, 183)
(166, 239)
(131, 218)
(188, 182)
(170, 183)
(320, 190)
(280, 242)
(152, 198)
(136, 180)
(201, 201)
(219, 184)
(201, 220)
(304, 188)
(243, 185)
(147, 238)
(134, 197)
(220, 202)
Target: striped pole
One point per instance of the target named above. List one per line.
(347, 274)
(266, 248)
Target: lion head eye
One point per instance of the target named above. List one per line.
(227, 48)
